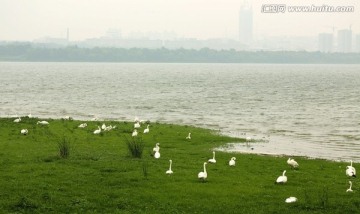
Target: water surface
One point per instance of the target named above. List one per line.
(310, 110)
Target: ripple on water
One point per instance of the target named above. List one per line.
(310, 110)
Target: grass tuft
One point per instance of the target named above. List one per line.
(24, 204)
(135, 146)
(324, 198)
(64, 147)
(145, 170)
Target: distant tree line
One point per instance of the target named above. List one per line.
(30, 52)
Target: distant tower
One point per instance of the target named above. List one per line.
(357, 43)
(326, 42)
(67, 35)
(344, 40)
(246, 24)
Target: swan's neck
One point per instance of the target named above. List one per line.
(214, 155)
(170, 165)
(284, 173)
(204, 168)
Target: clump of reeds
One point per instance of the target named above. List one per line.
(145, 169)
(64, 147)
(135, 146)
(24, 204)
(324, 198)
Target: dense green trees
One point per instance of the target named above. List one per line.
(30, 52)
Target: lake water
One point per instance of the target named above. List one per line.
(307, 110)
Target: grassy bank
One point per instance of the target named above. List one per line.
(100, 176)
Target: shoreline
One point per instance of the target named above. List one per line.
(272, 154)
(255, 146)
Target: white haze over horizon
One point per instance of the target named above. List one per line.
(24, 20)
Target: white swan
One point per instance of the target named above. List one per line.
(157, 154)
(169, 172)
(17, 120)
(24, 131)
(203, 175)
(292, 163)
(147, 129)
(108, 128)
(83, 125)
(189, 136)
(136, 125)
(103, 127)
(232, 161)
(156, 148)
(135, 133)
(97, 131)
(43, 122)
(30, 115)
(281, 179)
(212, 160)
(350, 172)
(349, 190)
(68, 118)
(248, 138)
(351, 167)
(291, 199)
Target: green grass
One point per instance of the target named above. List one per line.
(100, 176)
(135, 146)
(64, 147)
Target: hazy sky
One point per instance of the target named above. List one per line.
(33, 19)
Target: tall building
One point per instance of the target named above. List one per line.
(67, 35)
(344, 40)
(325, 42)
(357, 43)
(246, 25)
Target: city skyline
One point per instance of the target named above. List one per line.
(27, 21)
(323, 42)
(246, 23)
